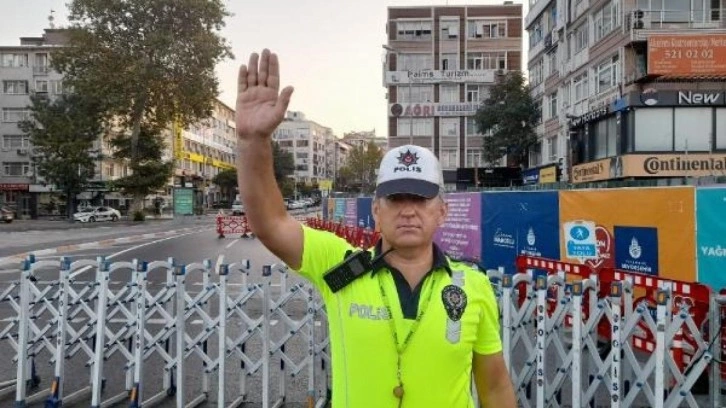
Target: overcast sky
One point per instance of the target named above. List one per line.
(330, 50)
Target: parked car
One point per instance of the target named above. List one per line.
(238, 208)
(93, 214)
(6, 215)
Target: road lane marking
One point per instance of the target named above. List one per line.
(232, 243)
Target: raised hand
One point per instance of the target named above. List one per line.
(260, 105)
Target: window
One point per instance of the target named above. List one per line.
(41, 86)
(417, 126)
(449, 29)
(607, 74)
(580, 86)
(477, 93)
(721, 128)
(472, 128)
(301, 155)
(15, 87)
(607, 19)
(415, 62)
(693, 129)
(550, 153)
(41, 64)
(449, 126)
(536, 75)
(17, 169)
(13, 60)
(449, 62)
(449, 93)
(15, 114)
(535, 34)
(413, 30)
(553, 112)
(486, 60)
(415, 94)
(16, 142)
(552, 64)
(56, 87)
(301, 143)
(485, 29)
(654, 129)
(474, 158)
(449, 158)
(580, 38)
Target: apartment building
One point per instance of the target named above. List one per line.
(308, 142)
(201, 151)
(24, 71)
(440, 64)
(362, 138)
(629, 89)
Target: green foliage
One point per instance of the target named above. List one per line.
(139, 216)
(511, 115)
(359, 172)
(148, 173)
(151, 62)
(63, 131)
(227, 182)
(283, 163)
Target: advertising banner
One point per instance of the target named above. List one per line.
(365, 216)
(427, 76)
(656, 224)
(517, 223)
(339, 210)
(351, 212)
(687, 54)
(594, 171)
(183, 201)
(548, 174)
(711, 238)
(424, 110)
(675, 165)
(460, 236)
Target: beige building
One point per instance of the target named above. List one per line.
(307, 141)
(629, 89)
(362, 138)
(441, 62)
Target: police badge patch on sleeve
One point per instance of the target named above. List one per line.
(454, 299)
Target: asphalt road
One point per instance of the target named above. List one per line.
(198, 243)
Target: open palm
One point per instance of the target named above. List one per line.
(260, 105)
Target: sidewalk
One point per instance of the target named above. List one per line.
(55, 224)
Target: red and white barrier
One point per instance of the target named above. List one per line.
(233, 224)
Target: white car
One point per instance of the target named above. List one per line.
(93, 214)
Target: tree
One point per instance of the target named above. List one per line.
(148, 172)
(360, 167)
(227, 182)
(510, 114)
(151, 61)
(62, 131)
(284, 167)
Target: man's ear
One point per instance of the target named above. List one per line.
(444, 212)
(375, 207)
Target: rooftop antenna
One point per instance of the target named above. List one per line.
(51, 19)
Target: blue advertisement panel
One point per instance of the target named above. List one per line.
(636, 249)
(339, 210)
(365, 216)
(710, 236)
(324, 207)
(351, 212)
(519, 223)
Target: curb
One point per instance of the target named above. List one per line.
(105, 243)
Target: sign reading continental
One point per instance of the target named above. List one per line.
(594, 171)
(427, 76)
(424, 110)
(687, 54)
(674, 165)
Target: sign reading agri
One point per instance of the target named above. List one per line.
(460, 236)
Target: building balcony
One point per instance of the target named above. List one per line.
(643, 23)
(41, 70)
(535, 11)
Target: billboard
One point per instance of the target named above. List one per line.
(351, 212)
(339, 210)
(593, 171)
(365, 216)
(427, 76)
(648, 231)
(424, 110)
(674, 165)
(711, 224)
(517, 223)
(460, 236)
(687, 54)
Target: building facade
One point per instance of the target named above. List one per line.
(629, 89)
(308, 142)
(440, 64)
(362, 138)
(24, 71)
